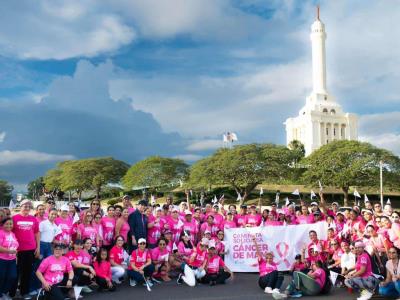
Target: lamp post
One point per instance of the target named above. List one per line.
(381, 180)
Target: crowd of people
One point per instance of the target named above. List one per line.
(51, 250)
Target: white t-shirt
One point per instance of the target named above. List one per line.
(48, 231)
(348, 260)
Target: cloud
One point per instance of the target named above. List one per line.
(2, 136)
(78, 28)
(201, 145)
(189, 157)
(30, 157)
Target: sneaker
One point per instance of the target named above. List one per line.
(296, 294)
(117, 281)
(87, 289)
(268, 290)
(179, 280)
(132, 282)
(150, 283)
(26, 297)
(366, 296)
(279, 296)
(362, 294)
(33, 293)
(276, 291)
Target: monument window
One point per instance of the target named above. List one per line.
(334, 131)
(333, 111)
(325, 98)
(325, 111)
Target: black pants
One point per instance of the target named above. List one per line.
(56, 292)
(81, 279)
(103, 284)
(25, 260)
(273, 280)
(219, 277)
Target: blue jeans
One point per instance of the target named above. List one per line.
(148, 271)
(392, 289)
(45, 250)
(8, 275)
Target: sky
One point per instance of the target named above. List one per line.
(134, 78)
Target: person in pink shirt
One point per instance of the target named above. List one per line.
(241, 218)
(160, 258)
(253, 218)
(55, 272)
(122, 226)
(175, 225)
(87, 230)
(99, 228)
(271, 221)
(305, 217)
(190, 226)
(335, 255)
(108, 226)
(216, 270)
(229, 222)
(102, 267)
(140, 265)
(209, 226)
(219, 244)
(50, 204)
(185, 247)
(362, 278)
(118, 264)
(64, 222)
(218, 217)
(8, 255)
(155, 226)
(299, 264)
(84, 273)
(319, 244)
(26, 230)
(197, 261)
(270, 280)
(40, 213)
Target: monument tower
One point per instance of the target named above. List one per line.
(322, 119)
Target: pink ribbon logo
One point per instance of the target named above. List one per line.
(283, 254)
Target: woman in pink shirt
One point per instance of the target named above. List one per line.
(253, 218)
(8, 255)
(87, 230)
(102, 267)
(55, 271)
(40, 213)
(122, 226)
(160, 258)
(216, 270)
(99, 228)
(64, 222)
(155, 227)
(270, 280)
(305, 217)
(185, 247)
(140, 265)
(362, 278)
(108, 227)
(117, 254)
(229, 222)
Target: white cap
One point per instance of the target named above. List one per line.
(25, 201)
(188, 212)
(335, 203)
(175, 208)
(204, 241)
(64, 207)
(211, 244)
(314, 203)
(141, 240)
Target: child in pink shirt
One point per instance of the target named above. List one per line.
(102, 267)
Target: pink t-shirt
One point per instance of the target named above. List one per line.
(66, 230)
(83, 257)
(108, 225)
(102, 269)
(199, 257)
(124, 230)
(265, 268)
(176, 226)
(213, 229)
(240, 220)
(25, 228)
(304, 219)
(364, 260)
(158, 255)
(139, 258)
(183, 250)
(229, 224)
(53, 269)
(117, 254)
(214, 263)
(319, 277)
(88, 231)
(8, 241)
(298, 266)
(192, 228)
(154, 233)
(253, 220)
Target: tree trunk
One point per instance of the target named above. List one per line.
(346, 195)
(98, 189)
(69, 196)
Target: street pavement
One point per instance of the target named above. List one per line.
(244, 286)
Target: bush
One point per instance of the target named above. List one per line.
(113, 201)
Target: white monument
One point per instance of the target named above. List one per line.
(322, 119)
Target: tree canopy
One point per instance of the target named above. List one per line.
(35, 188)
(155, 171)
(343, 164)
(243, 167)
(5, 192)
(85, 174)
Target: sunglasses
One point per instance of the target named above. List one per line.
(95, 203)
(120, 240)
(51, 202)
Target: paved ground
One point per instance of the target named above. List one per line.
(244, 287)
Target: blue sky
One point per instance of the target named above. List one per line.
(132, 78)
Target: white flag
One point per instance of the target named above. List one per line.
(261, 192)
(313, 195)
(77, 291)
(214, 200)
(277, 198)
(287, 202)
(225, 138)
(153, 200)
(191, 193)
(388, 202)
(76, 218)
(239, 197)
(180, 182)
(174, 247)
(333, 276)
(320, 185)
(233, 137)
(12, 205)
(366, 198)
(221, 198)
(356, 193)
(296, 192)
(180, 224)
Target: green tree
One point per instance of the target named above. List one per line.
(298, 151)
(343, 164)
(35, 188)
(5, 192)
(243, 167)
(155, 171)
